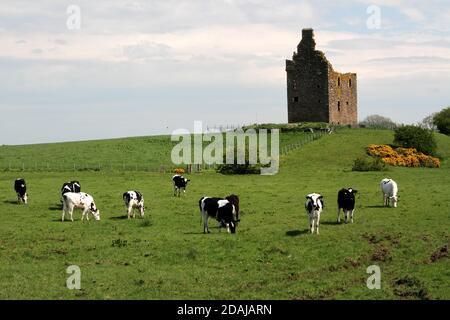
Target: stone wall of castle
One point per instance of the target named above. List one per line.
(315, 92)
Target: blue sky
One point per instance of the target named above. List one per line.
(150, 67)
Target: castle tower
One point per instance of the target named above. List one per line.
(315, 92)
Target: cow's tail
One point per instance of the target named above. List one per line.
(64, 202)
(201, 209)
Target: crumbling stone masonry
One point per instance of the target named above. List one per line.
(317, 93)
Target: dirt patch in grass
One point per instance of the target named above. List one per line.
(410, 287)
(393, 239)
(439, 254)
(381, 253)
(351, 263)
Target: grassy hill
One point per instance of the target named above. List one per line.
(166, 256)
(137, 153)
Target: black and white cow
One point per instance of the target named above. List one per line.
(314, 206)
(71, 186)
(20, 187)
(134, 200)
(220, 209)
(82, 201)
(346, 202)
(179, 184)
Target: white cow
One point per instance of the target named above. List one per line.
(390, 192)
(314, 206)
(82, 201)
(134, 200)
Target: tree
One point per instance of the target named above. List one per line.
(442, 121)
(416, 137)
(376, 121)
(428, 122)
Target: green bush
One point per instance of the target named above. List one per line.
(238, 169)
(442, 121)
(415, 137)
(369, 164)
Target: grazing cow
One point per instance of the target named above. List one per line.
(134, 200)
(220, 209)
(20, 187)
(179, 183)
(314, 206)
(390, 192)
(72, 186)
(346, 202)
(82, 201)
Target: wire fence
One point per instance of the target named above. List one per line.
(65, 166)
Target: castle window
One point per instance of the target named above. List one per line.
(347, 102)
(295, 99)
(339, 82)
(339, 106)
(350, 83)
(318, 86)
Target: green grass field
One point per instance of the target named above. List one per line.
(272, 256)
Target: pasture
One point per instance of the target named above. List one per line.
(272, 256)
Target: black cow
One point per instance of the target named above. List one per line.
(20, 187)
(179, 183)
(220, 209)
(346, 202)
(72, 186)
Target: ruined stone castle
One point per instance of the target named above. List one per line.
(315, 92)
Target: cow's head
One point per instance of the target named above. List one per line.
(95, 211)
(314, 202)
(350, 193)
(394, 200)
(142, 208)
(231, 226)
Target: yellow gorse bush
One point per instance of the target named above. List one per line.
(403, 157)
(179, 171)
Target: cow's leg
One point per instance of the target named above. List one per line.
(71, 213)
(205, 222)
(351, 215)
(317, 223)
(63, 214)
(346, 215)
(311, 224)
(339, 215)
(83, 214)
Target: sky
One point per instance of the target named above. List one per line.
(81, 70)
